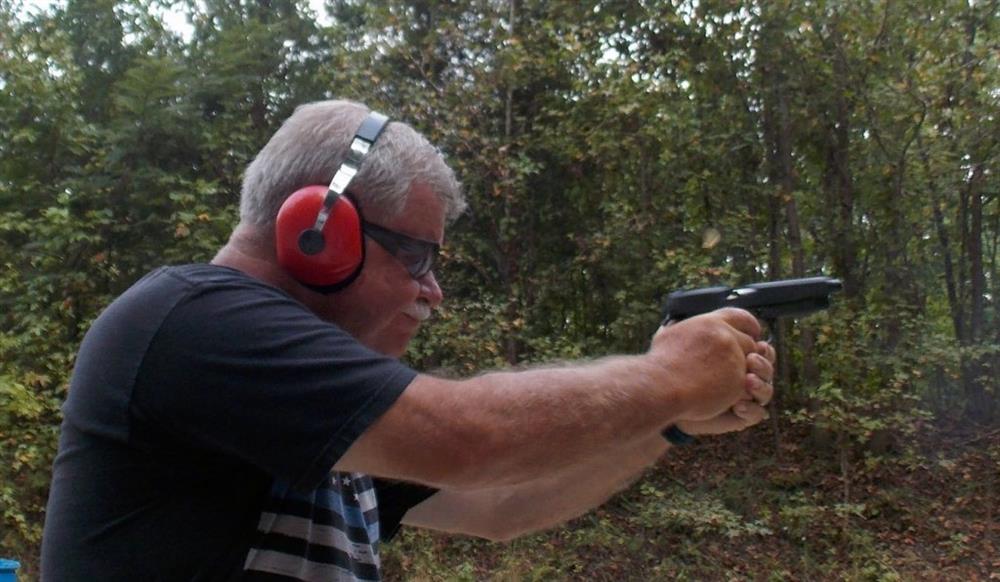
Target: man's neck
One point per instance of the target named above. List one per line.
(251, 251)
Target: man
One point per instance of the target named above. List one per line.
(223, 419)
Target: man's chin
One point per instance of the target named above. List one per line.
(395, 347)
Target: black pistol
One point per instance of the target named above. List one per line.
(768, 301)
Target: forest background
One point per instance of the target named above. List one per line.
(612, 152)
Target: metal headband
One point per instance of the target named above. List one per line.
(364, 139)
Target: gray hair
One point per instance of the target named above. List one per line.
(313, 142)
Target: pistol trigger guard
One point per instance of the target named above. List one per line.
(768, 334)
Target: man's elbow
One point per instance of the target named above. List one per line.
(502, 533)
(505, 524)
(502, 537)
(477, 526)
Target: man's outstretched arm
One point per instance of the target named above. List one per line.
(508, 428)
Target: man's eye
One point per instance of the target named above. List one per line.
(411, 257)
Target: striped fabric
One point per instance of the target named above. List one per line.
(328, 534)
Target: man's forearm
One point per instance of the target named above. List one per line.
(512, 427)
(503, 513)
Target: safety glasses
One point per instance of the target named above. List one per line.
(416, 255)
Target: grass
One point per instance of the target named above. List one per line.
(726, 510)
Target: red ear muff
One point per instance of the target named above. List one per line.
(326, 259)
(318, 229)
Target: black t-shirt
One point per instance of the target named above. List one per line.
(195, 395)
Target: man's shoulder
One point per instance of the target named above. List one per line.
(191, 297)
(183, 284)
(202, 276)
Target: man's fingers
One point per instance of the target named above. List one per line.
(767, 350)
(743, 321)
(750, 412)
(761, 366)
(758, 390)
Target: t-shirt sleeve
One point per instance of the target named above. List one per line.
(245, 371)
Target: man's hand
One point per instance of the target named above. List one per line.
(715, 362)
(752, 409)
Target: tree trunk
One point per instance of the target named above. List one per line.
(838, 178)
(511, 344)
(980, 403)
(778, 163)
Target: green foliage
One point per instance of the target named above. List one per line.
(28, 426)
(694, 515)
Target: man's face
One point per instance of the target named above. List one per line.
(384, 306)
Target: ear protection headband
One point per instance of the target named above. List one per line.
(318, 231)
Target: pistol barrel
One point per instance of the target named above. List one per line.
(770, 300)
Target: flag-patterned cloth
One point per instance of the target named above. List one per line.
(329, 534)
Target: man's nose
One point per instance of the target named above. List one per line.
(430, 291)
